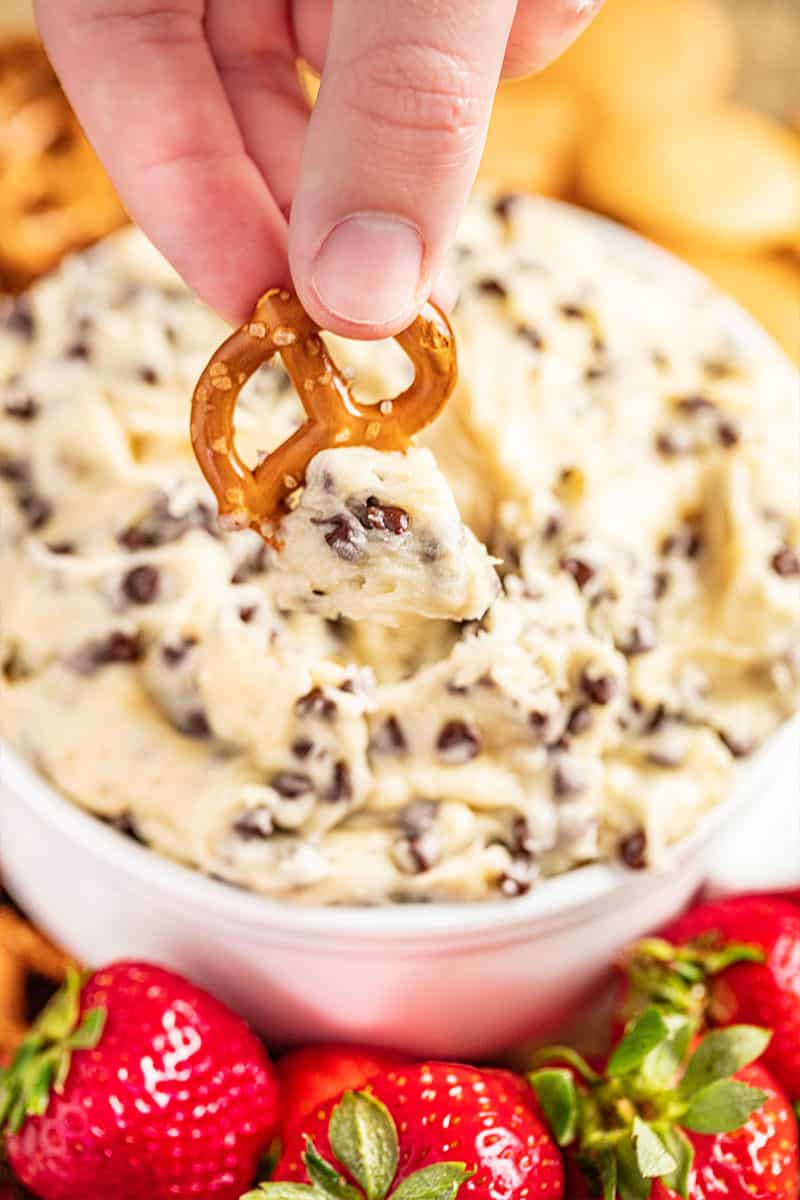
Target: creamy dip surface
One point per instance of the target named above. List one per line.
(628, 460)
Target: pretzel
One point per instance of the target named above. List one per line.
(259, 498)
(22, 950)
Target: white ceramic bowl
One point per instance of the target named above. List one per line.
(446, 980)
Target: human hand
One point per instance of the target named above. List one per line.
(196, 109)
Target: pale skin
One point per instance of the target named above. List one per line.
(196, 110)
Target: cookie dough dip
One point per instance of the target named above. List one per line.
(629, 463)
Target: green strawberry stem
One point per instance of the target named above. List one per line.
(363, 1138)
(676, 977)
(627, 1126)
(42, 1063)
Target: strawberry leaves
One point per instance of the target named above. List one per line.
(627, 1126)
(363, 1138)
(42, 1063)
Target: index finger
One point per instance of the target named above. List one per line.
(146, 89)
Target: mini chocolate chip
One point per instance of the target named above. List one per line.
(174, 653)
(728, 434)
(19, 320)
(522, 837)
(315, 704)
(505, 204)
(159, 526)
(23, 409)
(255, 825)
(37, 510)
(141, 585)
(600, 689)
(116, 647)
(580, 719)
(641, 639)
(593, 374)
(737, 746)
(15, 470)
(785, 562)
(125, 823)
(389, 738)
(78, 350)
(291, 784)
(148, 375)
(61, 547)
(519, 878)
(538, 721)
(343, 538)
(415, 855)
(341, 784)
(247, 612)
(531, 336)
(666, 445)
(580, 570)
(385, 516)
(492, 287)
(573, 312)
(661, 582)
(694, 403)
(418, 817)
(458, 742)
(195, 724)
(552, 527)
(302, 747)
(656, 719)
(567, 780)
(688, 542)
(632, 850)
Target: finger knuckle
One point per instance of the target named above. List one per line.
(423, 95)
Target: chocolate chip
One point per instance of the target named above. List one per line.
(688, 542)
(519, 878)
(116, 647)
(149, 375)
(694, 403)
(195, 724)
(141, 585)
(531, 336)
(661, 581)
(600, 689)
(302, 747)
(504, 205)
(291, 784)
(593, 374)
(15, 470)
(247, 612)
(23, 409)
(552, 527)
(174, 653)
(343, 537)
(666, 445)
(573, 312)
(785, 562)
(580, 719)
(385, 516)
(255, 825)
(578, 568)
(415, 855)
(62, 547)
(389, 738)
(522, 839)
(538, 721)
(458, 742)
(641, 639)
(37, 510)
(656, 719)
(78, 350)
(632, 850)
(492, 287)
(567, 780)
(315, 704)
(19, 320)
(418, 818)
(341, 784)
(727, 434)
(739, 747)
(159, 526)
(125, 823)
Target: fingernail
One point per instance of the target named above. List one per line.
(368, 270)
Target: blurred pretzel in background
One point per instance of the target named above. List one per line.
(23, 952)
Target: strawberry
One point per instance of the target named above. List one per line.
(672, 1116)
(138, 1086)
(314, 1074)
(428, 1131)
(729, 961)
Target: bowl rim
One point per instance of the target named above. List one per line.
(561, 900)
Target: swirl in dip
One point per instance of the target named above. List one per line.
(631, 464)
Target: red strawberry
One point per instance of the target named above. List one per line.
(138, 1086)
(673, 1116)
(428, 1131)
(314, 1074)
(738, 961)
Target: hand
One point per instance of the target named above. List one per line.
(196, 110)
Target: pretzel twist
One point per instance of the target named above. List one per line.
(258, 498)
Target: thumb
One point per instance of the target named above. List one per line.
(391, 153)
